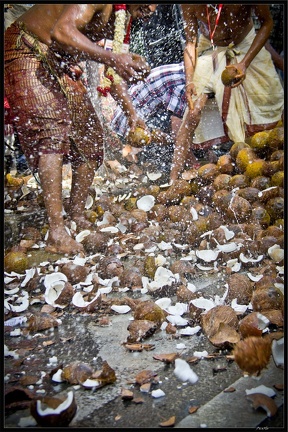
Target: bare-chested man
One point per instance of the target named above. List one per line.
(54, 117)
(227, 37)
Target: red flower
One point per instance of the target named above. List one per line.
(119, 7)
(103, 90)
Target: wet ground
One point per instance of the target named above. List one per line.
(80, 337)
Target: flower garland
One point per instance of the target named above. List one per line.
(111, 76)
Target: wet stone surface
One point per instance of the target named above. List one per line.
(80, 338)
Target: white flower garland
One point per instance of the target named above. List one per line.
(119, 33)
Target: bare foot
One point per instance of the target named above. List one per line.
(60, 242)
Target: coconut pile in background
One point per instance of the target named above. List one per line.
(150, 245)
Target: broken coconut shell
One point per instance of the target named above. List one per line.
(267, 299)
(140, 329)
(75, 273)
(148, 310)
(212, 319)
(54, 411)
(253, 324)
(260, 400)
(240, 287)
(76, 372)
(252, 354)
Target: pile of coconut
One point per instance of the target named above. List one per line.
(155, 240)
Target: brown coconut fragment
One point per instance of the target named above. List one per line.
(166, 358)
(126, 394)
(145, 376)
(253, 324)
(225, 336)
(75, 273)
(260, 400)
(267, 299)
(140, 329)
(54, 411)
(76, 372)
(41, 321)
(253, 354)
(212, 319)
(148, 310)
(168, 423)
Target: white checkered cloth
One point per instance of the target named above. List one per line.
(163, 89)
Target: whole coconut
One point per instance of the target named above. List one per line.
(260, 140)
(261, 216)
(110, 267)
(270, 168)
(239, 181)
(245, 157)
(239, 210)
(255, 168)
(236, 147)
(275, 208)
(15, 261)
(222, 181)
(249, 193)
(208, 172)
(260, 182)
(229, 76)
(276, 138)
(225, 164)
(139, 137)
(159, 213)
(178, 213)
(150, 266)
(277, 179)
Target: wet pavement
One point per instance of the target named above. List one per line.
(79, 337)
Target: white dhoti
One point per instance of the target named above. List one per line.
(254, 105)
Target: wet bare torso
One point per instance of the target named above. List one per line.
(40, 20)
(234, 24)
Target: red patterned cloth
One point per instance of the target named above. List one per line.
(49, 104)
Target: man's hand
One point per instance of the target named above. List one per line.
(240, 74)
(131, 67)
(135, 121)
(190, 91)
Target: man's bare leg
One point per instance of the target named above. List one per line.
(184, 137)
(50, 173)
(82, 178)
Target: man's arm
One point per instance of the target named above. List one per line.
(262, 36)
(120, 93)
(190, 52)
(67, 34)
(277, 58)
